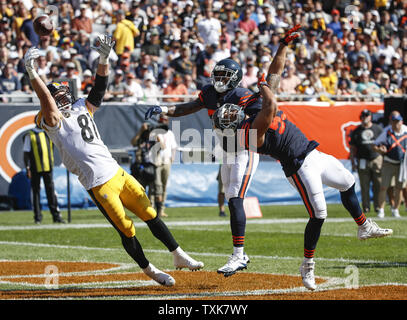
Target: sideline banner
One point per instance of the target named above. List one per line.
(330, 125)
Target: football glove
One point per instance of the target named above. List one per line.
(262, 81)
(30, 56)
(291, 35)
(152, 111)
(106, 44)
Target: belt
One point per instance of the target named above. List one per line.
(387, 159)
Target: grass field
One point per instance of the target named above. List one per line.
(274, 243)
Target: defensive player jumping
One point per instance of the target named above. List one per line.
(71, 127)
(238, 166)
(306, 168)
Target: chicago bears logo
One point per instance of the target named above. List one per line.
(9, 131)
(346, 130)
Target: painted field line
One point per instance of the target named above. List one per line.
(204, 254)
(178, 223)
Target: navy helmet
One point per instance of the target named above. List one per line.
(226, 75)
(227, 118)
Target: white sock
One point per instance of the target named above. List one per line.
(178, 251)
(308, 260)
(238, 251)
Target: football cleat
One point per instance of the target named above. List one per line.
(371, 230)
(234, 264)
(158, 276)
(183, 260)
(307, 275)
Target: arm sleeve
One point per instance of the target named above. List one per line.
(98, 91)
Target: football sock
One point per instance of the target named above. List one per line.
(237, 221)
(161, 232)
(134, 249)
(238, 251)
(351, 203)
(311, 236)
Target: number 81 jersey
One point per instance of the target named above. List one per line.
(79, 144)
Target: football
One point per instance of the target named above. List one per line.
(43, 25)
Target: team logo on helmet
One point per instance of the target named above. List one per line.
(61, 94)
(227, 118)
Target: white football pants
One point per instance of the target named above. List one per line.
(237, 172)
(317, 170)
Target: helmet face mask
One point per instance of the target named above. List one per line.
(227, 118)
(62, 96)
(226, 75)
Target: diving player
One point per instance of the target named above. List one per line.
(71, 127)
(307, 169)
(238, 167)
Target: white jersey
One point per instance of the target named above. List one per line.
(79, 144)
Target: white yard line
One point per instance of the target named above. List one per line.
(204, 254)
(180, 223)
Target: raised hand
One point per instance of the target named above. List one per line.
(291, 35)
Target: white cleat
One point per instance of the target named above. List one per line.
(307, 274)
(234, 264)
(395, 213)
(183, 260)
(371, 230)
(158, 276)
(380, 213)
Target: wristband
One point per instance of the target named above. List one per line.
(32, 73)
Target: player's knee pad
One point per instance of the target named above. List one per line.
(319, 207)
(349, 181)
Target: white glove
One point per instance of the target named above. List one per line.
(106, 44)
(29, 58)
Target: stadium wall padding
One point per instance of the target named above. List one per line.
(189, 185)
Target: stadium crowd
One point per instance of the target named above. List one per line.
(169, 47)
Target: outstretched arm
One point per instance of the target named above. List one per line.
(276, 67)
(178, 110)
(267, 113)
(98, 91)
(49, 109)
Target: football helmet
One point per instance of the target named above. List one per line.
(61, 94)
(227, 118)
(226, 75)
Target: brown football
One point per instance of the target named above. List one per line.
(43, 25)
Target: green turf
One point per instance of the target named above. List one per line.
(273, 248)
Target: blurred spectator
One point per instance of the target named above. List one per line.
(150, 90)
(328, 78)
(124, 33)
(133, 91)
(367, 87)
(247, 24)
(190, 84)
(204, 65)
(43, 68)
(176, 87)
(183, 63)
(45, 46)
(117, 89)
(72, 73)
(250, 77)
(27, 32)
(8, 80)
(209, 28)
(222, 52)
(290, 81)
(152, 45)
(82, 21)
(87, 82)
